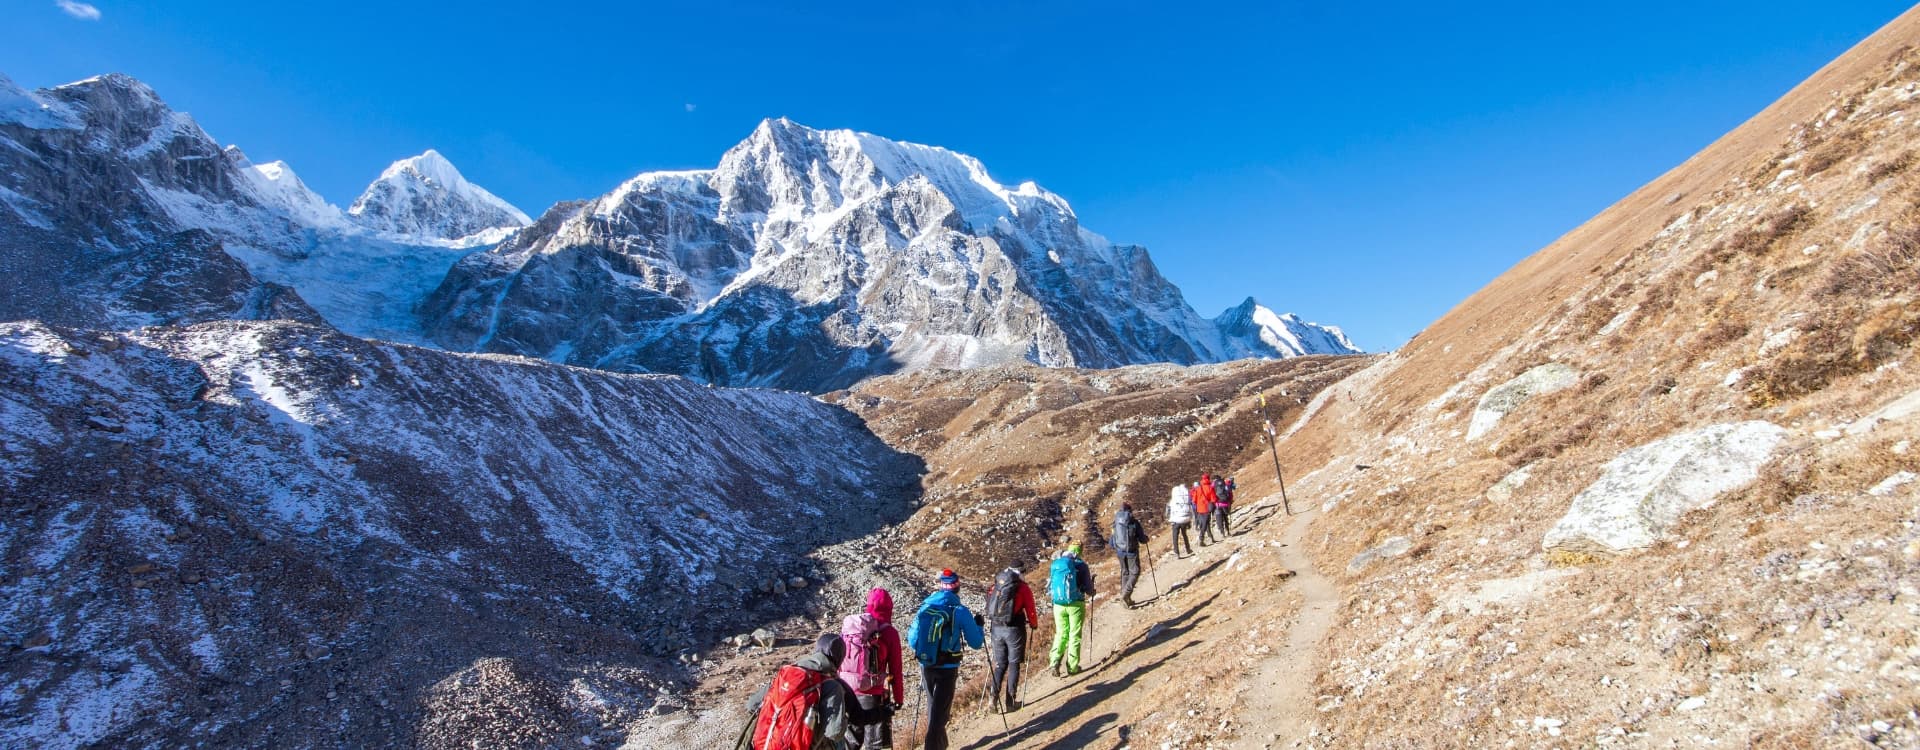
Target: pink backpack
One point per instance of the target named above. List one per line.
(865, 667)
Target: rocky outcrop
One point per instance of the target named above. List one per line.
(1503, 399)
(1645, 490)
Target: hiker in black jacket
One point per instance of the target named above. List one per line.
(1010, 612)
(1127, 540)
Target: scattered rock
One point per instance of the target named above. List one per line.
(1694, 703)
(37, 640)
(1899, 410)
(1391, 547)
(1502, 491)
(140, 569)
(779, 587)
(315, 653)
(1503, 399)
(1643, 491)
(764, 638)
(105, 425)
(796, 583)
(1887, 486)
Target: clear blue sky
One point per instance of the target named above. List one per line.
(1363, 164)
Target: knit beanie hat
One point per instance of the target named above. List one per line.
(949, 580)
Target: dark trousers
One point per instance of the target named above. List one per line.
(1205, 522)
(1008, 649)
(1180, 537)
(1129, 574)
(870, 736)
(1220, 515)
(940, 684)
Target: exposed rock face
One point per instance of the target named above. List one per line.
(99, 178)
(272, 534)
(85, 239)
(425, 196)
(1506, 397)
(810, 259)
(1648, 488)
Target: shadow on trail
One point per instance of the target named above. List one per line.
(1188, 581)
(1096, 693)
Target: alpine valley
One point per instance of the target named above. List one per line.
(427, 473)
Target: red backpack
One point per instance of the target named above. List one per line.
(864, 668)
(787, 715)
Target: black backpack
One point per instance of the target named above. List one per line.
(1000, 609)
(1122, 540)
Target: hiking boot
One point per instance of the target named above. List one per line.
(1128, 600)
(1012, 705)
(1056, 670)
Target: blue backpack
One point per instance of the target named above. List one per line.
(936, 637)
(1064, 582)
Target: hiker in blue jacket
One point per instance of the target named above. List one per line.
(936, 637)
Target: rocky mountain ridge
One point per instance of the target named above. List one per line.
(862, 254)
(269, 533)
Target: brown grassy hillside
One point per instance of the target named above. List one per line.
(1022, 460)
(1772, 277)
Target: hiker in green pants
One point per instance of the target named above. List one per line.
(1070, 583)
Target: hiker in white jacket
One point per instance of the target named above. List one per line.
(1180, 518)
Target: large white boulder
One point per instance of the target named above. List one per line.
(1646, 489)
(1506, 397)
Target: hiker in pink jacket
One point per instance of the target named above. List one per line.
(873, 667)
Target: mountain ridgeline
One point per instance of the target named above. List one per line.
(807, 260)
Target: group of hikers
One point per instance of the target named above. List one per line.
(845, 692)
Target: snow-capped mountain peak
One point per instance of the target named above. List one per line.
(425, 196)
(814, 175)
(279, 187)
(1251, 329)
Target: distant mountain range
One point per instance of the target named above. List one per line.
(808, 259)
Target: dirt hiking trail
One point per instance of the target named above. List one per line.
(1152, 675)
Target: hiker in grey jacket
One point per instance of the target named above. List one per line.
(1127, 540)
(1180, 518)
(835, 709)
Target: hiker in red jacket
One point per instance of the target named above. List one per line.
(1202, 493)
(872, 666)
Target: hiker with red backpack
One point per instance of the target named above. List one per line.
(1202, 494)
(872, 668)
(1010, 612)
(941, 630)
(807, 707)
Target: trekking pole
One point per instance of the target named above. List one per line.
(1150, 573)
(913, 735)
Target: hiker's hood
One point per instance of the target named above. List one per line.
(818, 662)
(880, 604)
(944, 598)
